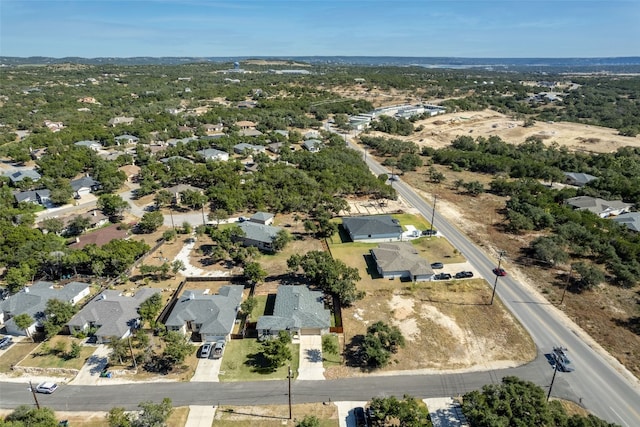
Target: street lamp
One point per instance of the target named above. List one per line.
(495, 283)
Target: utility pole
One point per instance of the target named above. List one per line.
(289, 377)
(203, 221)
(433, 213)
(567, 285)
(555, 371)
(135, 364)
(495, 283)
(33, 391)
(171, 215)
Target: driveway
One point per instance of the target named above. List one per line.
(346, 418)
(311, 358)
(200, 416)
(207, 370)
(445, 412)
(90, 372)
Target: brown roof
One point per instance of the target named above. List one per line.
(100, 237)
(130, 170)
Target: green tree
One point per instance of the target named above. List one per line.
(177, 348)
(150, 222)
(163, 198)
(435, 176)
(112, 205)
(52, 225)
(24, 321)
(408, 412)
(58, 313)
(154, 414)
(28, 416)
(18, 277)
(118, 417)
(150, 308)
(254, 272)
(75, 351)
(177, 266)
(309, 421)
(329, 344)
(78, 225)
(281, 240)
(276, 352)
(589, 275)
(247, 306)
(119, 349)
(473, 188)
(380, 342)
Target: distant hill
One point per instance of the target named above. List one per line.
(574, 64)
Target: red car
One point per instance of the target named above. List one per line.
(499, 272)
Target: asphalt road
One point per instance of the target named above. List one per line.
(599, 382)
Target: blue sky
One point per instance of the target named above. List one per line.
(473, 28)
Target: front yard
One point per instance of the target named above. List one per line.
(242, 360)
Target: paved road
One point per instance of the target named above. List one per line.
(602, 384)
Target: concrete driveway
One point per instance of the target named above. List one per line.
(90, 372)
(207, 370)
(346, 418)
(445, 412)
(311, 358)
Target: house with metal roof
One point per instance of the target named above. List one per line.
(372, 227)
(297, 310)
(32, 300)
(111, 314)
(631, 220)
(578, 179)
(602, 208)
(259, 235)
(91, 145)
(262, 218)
(210, 316)
(245, 148)
(401, 260)
(126, 139)
(312, 145)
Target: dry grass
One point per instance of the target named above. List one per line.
(274, 415)
(15, 353)
(51, 360)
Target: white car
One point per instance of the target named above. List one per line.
(205, 351)
(46, 388)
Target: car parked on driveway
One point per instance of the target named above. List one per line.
(360, 416)
(442, 276)
(437, 265)
(463, 274)
(46, 388)
(218, 349)
(205, 351)
(5, 342)
(499, 272)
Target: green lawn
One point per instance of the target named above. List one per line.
(52, 359)
(238, 355)
(329, 359)
(259, 309)
(16, 353)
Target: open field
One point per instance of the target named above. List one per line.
(274, 415)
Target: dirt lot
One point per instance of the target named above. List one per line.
(440, 130)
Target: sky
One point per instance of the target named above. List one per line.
(417, 28)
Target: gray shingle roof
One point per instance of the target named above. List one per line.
(579, 178)
(372, 225)
(297, 307)
(19, 175)
(259, 232)
(631, 220)
(596, 205)
(113, 312)
(261, 217)
(85, 181)
(216, 313)
(400, 257)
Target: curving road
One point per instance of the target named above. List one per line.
(599, 382)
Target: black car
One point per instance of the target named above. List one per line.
(442, 276)
(359, 415)
(463, 274)
(437, 265)
(429, 232)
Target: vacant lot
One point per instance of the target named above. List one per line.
(274, 415)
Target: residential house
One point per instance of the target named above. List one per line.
(246, 104)
(88, 100)
(169, 160)
(245, 124)
(578, 179)
(17, 176)
(249, 132)
(284, 133)
(275, 147)
(174, 142)
(32, 300)
(312, 145)
(92, 145)
(262, 218)
(210, 316)
(630, 219)
(131, 171)
(298, 311)
(177, 190)
(121, 121)
(244, 148)
(214, 154)
(373, 227)
(37, 153)
(83, 186)
(110, 314)
(54, 126)
(126, 139)
(100, 237)
(312, 134)
(602, 208)
(39, 197)
(95, 218)
(401, 260)
(211, 129)
(258, 235)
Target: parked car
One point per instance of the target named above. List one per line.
(499, 272)
(429, 232)
(437, 265)
(560, 357)
(5, 342)
(206, 350)
(46, 388)
(360, 416)
(463, 274)
(442, 276)
(218, 349)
